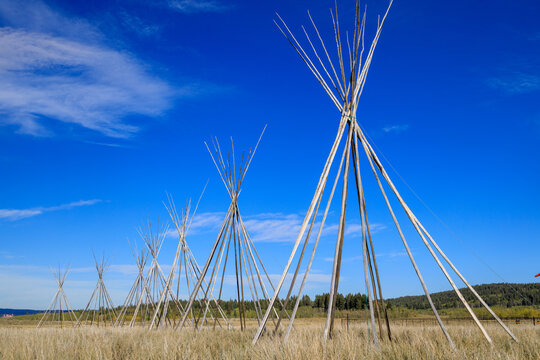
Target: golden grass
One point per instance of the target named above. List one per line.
(410, 342)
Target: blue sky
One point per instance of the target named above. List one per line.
(105, 107)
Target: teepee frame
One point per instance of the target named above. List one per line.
(345, 90)
(137, 291)
(184, 260)
(154, 282)
(247, 263)
(100, 308)
(56, 312)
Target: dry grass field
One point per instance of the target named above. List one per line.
(410, 342)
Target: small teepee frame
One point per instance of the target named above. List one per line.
(155, 281)
(56, 312)
(137, 290)
(184, 260)
(100, 308)
(247, 263)
(345, 87)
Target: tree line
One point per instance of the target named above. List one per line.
(343, 302)
(499, 294)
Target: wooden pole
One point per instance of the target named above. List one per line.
(414, 221)
(405, 244)
(339, 243)
(321, 226)
(318, 191)
(365, 254)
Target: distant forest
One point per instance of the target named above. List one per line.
(501, 294)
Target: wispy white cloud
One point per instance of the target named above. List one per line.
(36, 16)
(355, 229)
(395, 128)
(197, 6)
(55, 68)
(277, 227)
(8, 255)
(46, 77)
(138, 26)
(17, 214)
(515, 82)
(206, 221)
(271, 227)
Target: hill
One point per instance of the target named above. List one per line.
(499, 294)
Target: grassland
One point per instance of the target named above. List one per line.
(409, 342)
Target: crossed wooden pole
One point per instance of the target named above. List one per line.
(56, 313)
(100, 308)
(344, 88)
(248, 267)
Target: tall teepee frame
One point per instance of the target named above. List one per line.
(247, 263)
(137, 291)
(184, 260)
(155, 282)
(100, 308)
(56, 312)
(344, 87)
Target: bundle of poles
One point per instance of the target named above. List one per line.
(184, 259)
(56, 313)
(100, 308)
(248, 266)
(344, 87)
